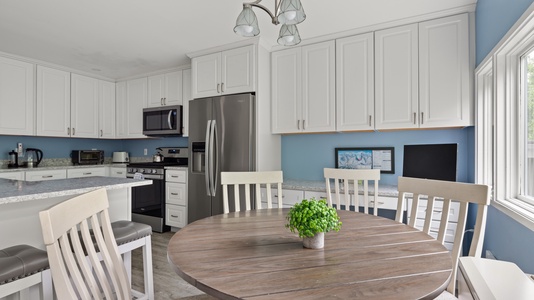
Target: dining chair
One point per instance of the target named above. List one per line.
(447, 192)
(248, 180)
(68, 239)
(350, 178)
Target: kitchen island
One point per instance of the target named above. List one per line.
(21, 202)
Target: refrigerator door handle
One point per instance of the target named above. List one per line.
(213, 175)
(206, 159)
(215, 163)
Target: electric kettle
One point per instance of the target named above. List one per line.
(33, 156)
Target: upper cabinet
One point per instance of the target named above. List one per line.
(16, 97)
(165, 89)
(355, 99)
(106, 107)
(131, 99)
(186, 92)
(303, 89)
(227, 72)
(423, 75)
(53, 102)
(84, 107)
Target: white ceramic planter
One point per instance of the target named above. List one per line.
(316, 242)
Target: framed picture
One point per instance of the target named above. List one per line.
(382, 158)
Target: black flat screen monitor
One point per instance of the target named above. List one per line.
(434, 161)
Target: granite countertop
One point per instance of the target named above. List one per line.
(320, 186)
(12, 191)
(62, 167)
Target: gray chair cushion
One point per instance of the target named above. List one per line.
(20, 261)
(127, 231)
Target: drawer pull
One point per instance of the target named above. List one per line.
(88, 173)
(174, 194)
(174, 176)
(174, 216)
(276, 196)
(47, 176)
(379, 202)
(119, 172)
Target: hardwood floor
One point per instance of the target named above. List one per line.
(167, 284)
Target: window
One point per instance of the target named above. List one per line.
(505, 121)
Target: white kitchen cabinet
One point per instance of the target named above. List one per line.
(165, 89)
(289, 197)
(106, 107)
(422, 75)
(84, 107)
(396, 78)
(355, 98)
(15, 175)
(119, 172)
(303, 89)
(17, 92)
(445, 78)
(227, 72)
(176, 198)
(130, 101)
(86, 172)
(186, 96)
(43, 175)
(53, 102)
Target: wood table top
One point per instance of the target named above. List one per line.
(251, 255)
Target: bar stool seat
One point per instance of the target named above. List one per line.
(129, 236)
(23, 266)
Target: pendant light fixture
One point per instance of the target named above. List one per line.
(286, 12)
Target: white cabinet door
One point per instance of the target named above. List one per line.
(286, 90)
(119, 172)
(355, 97)
(84, 107)
(53, 102)
(444, 73)
(186, 97)
(318, 87)
(165, 89)
(237, 70)
(175, 215)
(396, 78)
(222, 73)
(86, 172)
(121, 103)
(133, 103)
(45, 175)
(17, 175)
(106, 107)
(176, 193)
(17, 93)
(206, 75)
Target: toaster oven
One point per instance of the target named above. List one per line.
(87, 157)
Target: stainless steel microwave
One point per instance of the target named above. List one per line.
(162, 121)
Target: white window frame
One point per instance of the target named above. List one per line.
(499, 96)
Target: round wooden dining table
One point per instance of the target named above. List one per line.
(251, 255)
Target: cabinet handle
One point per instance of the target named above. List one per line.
(222, 87)
(161, 101)
(422, 119)
(47, 176)
(174, 176)
(218, 85)
(88, 173)
(298, 124)
(276, 196)
(174, 216)
(174, 194)
(165, 101)
(101, 132)
(303, 124)
(119, 172)
(370, 118)
(414, 116)
(73, 131)
(68, 130)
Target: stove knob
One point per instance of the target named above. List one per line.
(140, 170)
(154, 171)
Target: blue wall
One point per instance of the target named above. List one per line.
(304, 156)
(505, 237)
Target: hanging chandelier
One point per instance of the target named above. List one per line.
(286, 12)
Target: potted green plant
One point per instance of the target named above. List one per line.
(311, 219)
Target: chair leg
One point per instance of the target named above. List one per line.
(147, 268)
(47, 289)
(127, 258)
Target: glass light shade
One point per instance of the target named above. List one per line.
(247, 23)
(291, 12)
(289, 35)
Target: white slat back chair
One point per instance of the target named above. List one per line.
(248, 179)
(99, 275)
(350, 179)
(447, 191)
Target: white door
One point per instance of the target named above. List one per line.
(53, 102)
(186, 92)
(156, 89)
(106, 108)
(206, 75)
(396, 78)
(444, 76)
(17, 92)
(173, 88)
(136, 98)
(355, 97)
(121, 111)
(286, 91)
(84, 107)
(237, 68)
(318, 87)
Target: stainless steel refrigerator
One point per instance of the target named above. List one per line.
(222, 137)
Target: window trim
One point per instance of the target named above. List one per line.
(498, 100)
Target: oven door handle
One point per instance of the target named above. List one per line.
(146, 176)
(207, 160)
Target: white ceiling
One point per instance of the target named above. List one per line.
(122, 38)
